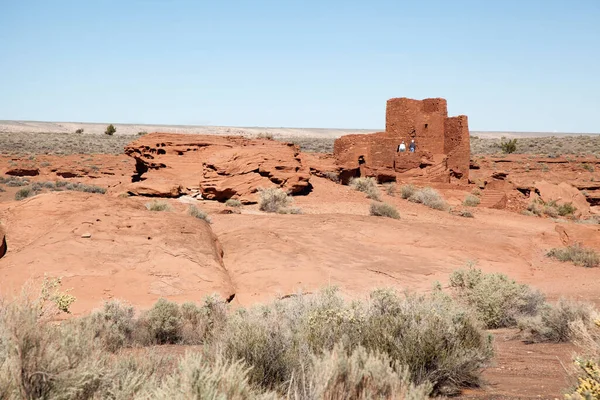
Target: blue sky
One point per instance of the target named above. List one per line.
(527, 65)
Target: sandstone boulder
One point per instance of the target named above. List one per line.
(562, 193)
(220, 167)
(107, 247)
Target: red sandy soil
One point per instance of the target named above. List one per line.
(138, 255)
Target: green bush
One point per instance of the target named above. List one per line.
(577, 254)
(367, 186)
(471, 201)
(553, 324)
(407, 191)
(273, 199)
(197, 213)
(430, 198)
(509, 146)
(233, 203)
(163, 322)
(497, 300)
(383, 210)
(110, 130)
(24, 193)
(158, 205)
(80, 130)
(566, 209)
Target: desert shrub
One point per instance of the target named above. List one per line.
(553, 324)
(24, 193)
(407, 191)
(204, 323)
(142, 133)
(476, 192)
(367, 186)
(80, 130)
(110, 130)
(360, 375)
(577, 254)
(566, 209)
(436, 339)
(471, 201)
(390, 189)
(197, 377)
(428, 197)
(163, 322)
(265, 135)
(113, 326)
(588, 167)
(273, 199)
(14, 182)
(497, 300)
(198, 213)
(158, 205)
(383, 210)
(551, 210)
(233, 203)
(588, 387)
(535, 208)
(509, 146)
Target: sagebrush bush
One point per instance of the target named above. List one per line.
(233, 203)
(158, 205)
(553, 324)
(566, 209)
(576, 254)
(110, 130)
(407, 190)
(360, 375)
(198, 213)
(428, 197)
(379, 209)
(24, 193)
(390, 189)
(113, 326)
(497, 300)
(367, 186)
(273, 199)
(471, 201)
(163, 322)
(437, 340)
(509, 146)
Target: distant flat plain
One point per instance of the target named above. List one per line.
(7, 126)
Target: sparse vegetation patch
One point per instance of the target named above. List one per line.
(158, 205)
(367, 186)
(198, 213)
(383, 210)
(428, 197)
(576, 254)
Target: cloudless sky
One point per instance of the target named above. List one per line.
(517, 65)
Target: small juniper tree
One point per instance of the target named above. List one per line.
(110, 130)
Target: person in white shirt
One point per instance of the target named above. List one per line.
(402, 147)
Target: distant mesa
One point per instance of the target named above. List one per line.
(442, 144)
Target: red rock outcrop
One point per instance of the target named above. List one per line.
(219, 167)
(443, 147)
(107, 247)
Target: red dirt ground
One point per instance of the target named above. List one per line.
(258, 256)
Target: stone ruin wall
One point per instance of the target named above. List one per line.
(442, 143)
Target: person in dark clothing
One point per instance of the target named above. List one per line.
(412, 147)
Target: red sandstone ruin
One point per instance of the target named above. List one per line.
(443, 148)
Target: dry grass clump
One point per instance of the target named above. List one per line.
(14, 181)
(198, 213)
(390, 189)
(273, 199)
(407, 190)
(379, 209)
(497, 300)
(332, 176)
(471, 201)
(577, 254)
(551, 209)
(428, 197)
(158, 205)
(233, 203)
(367, 186)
